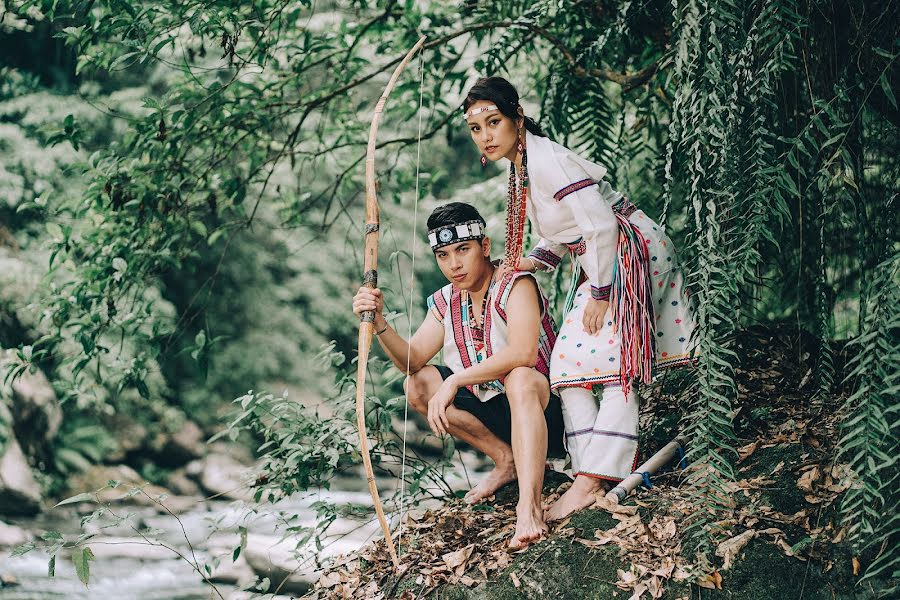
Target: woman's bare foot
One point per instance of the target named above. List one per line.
(530, 527)
(578, 497)
(502, 474)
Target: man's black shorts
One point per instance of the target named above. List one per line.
(495, 415)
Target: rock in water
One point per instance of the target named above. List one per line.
(10, 535)
(35, 408)
(273, 557)
(224, 476)
(96, 478)
(179, 482)
(131, 437)
(185, 445)
(19, 492)
(236, 572)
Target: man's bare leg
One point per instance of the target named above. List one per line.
(528, 392)
(421, 386)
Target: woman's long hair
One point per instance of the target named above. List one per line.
(504, 95)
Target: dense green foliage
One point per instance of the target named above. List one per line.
(195, 203)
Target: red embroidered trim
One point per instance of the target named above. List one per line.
(459, 335)
(486, 323)
(573, 187)
(600, 293)
(440, 303)
(546, 257)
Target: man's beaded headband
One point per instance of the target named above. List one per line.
(481, 109)
(454, 234)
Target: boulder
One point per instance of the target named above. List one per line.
(131, 436)
(179, 482)
(236, 572)
(182, 446)
(10, 535)
(19, 492)
(273, 557)
(35, 408)
(238, 452)
(224, 476)
(97, 477)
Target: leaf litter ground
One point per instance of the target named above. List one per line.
(783, 516)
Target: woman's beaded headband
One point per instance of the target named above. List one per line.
(481, 109)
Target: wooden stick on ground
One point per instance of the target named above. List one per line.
(651, 466)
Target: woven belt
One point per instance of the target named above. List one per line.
(624, 207)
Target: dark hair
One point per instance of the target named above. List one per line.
(453, 213)
(504, 95)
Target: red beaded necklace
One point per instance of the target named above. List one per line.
(516, 203)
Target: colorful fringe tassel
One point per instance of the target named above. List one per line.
(631, 302)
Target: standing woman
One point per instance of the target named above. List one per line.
(629, 317)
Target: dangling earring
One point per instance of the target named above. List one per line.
(483, 161)
(520, 147)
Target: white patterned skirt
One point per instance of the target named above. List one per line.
(583, 360)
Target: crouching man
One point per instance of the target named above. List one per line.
(493, 391)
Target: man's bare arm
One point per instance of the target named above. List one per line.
(426, 342)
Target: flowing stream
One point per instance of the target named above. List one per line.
(127, 567)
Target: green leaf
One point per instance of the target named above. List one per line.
(85, 497)
(888, 91)
(82, 558)
(23, 549)
(51, 567)
(55, 231)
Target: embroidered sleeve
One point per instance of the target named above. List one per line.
(601, 293)
(437, 305)
(593, 213)
(547, 254)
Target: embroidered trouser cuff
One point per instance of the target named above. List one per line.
(602, 439)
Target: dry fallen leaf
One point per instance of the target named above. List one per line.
(330, 579)
(730, 548)
(745, 451)
(515, 579)
(655, 587)
(627, 579)
(639, 590)
(806, 480)
(711, 581)
(459, 558)
(614, 507)
(855, 567)
(839, 535)
(594, 543)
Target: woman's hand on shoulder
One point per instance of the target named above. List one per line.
(529, 267)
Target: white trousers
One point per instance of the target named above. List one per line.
(602, 438)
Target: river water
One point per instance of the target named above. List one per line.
(128, 568)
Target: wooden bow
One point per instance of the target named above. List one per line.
(370, 279)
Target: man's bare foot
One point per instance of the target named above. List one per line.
(578, 497)
(530, 527)
(502, 474)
